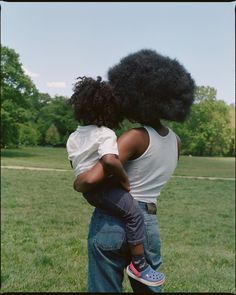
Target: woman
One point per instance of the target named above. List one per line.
(152, 87)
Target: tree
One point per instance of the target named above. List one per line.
(207, 131)
(211, 125)
(17, 94)
(52, 135)
(58, 113)
(28, 135)
(204, 92)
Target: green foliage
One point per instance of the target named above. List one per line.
(208, 130)
(52, 135)
(204, 92)
(211, 125)
(23, 106)
(16, 85)
(28, 135)
(9, 130)
(27, 116)
(17, 94)
(59, 113)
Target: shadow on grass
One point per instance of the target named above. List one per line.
(15, 153)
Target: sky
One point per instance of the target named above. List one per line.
(58, 42)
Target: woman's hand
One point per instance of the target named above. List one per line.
(125, 185)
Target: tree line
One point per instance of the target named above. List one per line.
(29, 117)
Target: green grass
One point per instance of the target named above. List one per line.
(44, 229)
(36, 157)
(197, 219)
(206, 166)
(45, 224)
(57, 158)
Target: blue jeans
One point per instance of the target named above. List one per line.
(118, 202)
(109, 253)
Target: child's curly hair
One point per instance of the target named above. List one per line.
(152, 87)
(95, 103)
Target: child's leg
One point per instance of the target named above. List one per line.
(138, 257)
(94, 198)
(119, 203)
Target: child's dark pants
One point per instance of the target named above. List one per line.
(118, 202)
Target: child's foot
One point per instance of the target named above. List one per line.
(149, 276)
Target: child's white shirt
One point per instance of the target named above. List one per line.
(88, 144)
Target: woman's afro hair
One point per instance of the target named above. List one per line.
(152, 87)
(95, 103)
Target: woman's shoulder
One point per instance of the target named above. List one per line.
(135, 131)
(135, 135)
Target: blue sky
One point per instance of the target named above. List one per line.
(58, 42)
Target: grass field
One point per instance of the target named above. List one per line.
(57, 158)
(45, 223)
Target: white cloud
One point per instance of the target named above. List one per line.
(56, 84)
(29, 73)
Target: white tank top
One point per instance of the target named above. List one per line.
(151, 171)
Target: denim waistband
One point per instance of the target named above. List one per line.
(150, 208)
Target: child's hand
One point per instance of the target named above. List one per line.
(125, 185)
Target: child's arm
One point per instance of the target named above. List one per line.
(128, 144)
(112, 165)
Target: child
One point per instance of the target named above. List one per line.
(98, 109)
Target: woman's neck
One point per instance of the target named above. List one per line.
(160, 129)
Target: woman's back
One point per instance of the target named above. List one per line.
(150, 172)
